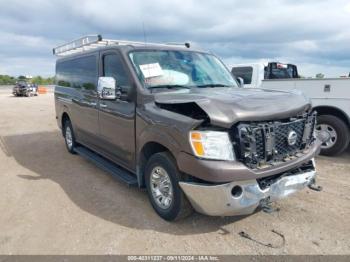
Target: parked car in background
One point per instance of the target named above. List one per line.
(24, 88)
(330, 98)
(174, 120)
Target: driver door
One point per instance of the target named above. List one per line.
(117, 117)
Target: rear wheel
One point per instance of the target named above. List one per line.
(162, 181)
(334, 133)
(69, 137)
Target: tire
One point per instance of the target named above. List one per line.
(69, 137)
(179, 206)
(338, 133)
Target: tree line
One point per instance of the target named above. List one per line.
(39, 80)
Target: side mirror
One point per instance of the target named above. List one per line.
(106, 88)
(240, 81)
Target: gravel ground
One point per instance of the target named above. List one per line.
(52, 202)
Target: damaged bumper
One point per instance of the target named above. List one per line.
(243, 197)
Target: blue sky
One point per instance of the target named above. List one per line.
(315, 35)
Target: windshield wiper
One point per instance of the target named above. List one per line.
(169, 86)
(213, 85)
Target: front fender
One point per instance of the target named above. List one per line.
(167, 128)
(160, 126)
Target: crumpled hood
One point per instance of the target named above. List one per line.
(226, 106)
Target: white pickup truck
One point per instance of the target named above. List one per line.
(330, 98)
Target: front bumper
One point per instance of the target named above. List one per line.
(218, 200)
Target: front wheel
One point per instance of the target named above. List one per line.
(334, 134)
(162, 181)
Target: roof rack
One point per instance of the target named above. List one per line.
(95, 41)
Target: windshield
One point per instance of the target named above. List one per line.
(180, 69)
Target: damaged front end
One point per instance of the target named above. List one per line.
(244, 197)
(271, 155)
(263, 144)
(190, 109)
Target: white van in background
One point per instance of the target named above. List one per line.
(330, 98)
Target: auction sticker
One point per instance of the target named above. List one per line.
(151, 70)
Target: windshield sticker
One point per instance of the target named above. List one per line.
(169, 77)
(151, 70)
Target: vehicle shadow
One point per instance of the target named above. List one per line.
(95, 191)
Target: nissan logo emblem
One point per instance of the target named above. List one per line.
(292, 138)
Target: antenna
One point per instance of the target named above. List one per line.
(144, 33)
(145, 41)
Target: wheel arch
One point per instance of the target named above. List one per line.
(64, 117)
(148, 149)
(330, 110)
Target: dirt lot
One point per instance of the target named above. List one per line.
(52, 202)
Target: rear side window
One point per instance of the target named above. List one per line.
(245, 72)
(280, 71)
(77, 73)
(113, 67)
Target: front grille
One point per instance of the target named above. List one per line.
(259, 144)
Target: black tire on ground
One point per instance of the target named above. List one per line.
(70, 145)
(179, 207)
(342, 131)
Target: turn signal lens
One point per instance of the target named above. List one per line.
(196, 136)
(196, 139)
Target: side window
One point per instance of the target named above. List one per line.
(77, 73)
(245, 72)
(113, 67)
(86, 72)
(61, 79)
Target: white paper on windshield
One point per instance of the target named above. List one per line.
(151, 70)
